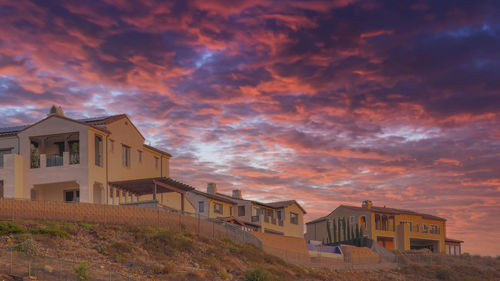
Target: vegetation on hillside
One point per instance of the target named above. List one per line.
(148, 253)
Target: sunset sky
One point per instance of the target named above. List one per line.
(326, 102)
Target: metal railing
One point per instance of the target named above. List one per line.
(255, 218)
(54, 160)
(74, 158)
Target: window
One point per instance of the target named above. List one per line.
(72, 195)
(34, 195)
(362, 222)
(230, 211)
(125, 156)
(241, 211)
(201, 207)
(278, 215)
(409, 223)
(424, 228)
(217, 208)
(139, 155)
(2, 153)
(111, 145)
(98, 150)
(294, 218)
(417, 227)
(1, 189)
(156, 162)
(351, 220)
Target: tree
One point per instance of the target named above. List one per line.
(334, 232)
(328, 230)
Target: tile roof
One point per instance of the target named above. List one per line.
(12, 130)
(283, 204)
(217, 196)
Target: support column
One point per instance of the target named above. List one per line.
(127, 197)
(112, 190)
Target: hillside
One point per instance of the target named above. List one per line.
(160, 254)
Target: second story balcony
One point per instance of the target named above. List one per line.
(54, 150)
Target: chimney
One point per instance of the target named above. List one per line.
(367, 204)
(212, 188)
(237, 193)
(56, 111)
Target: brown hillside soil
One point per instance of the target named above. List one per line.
(160, 254)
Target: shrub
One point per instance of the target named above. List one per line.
(168, 242)
(29, 247)
(81, 271)
(51, 231)
(11, 228)
(88, 226)
(258, 274)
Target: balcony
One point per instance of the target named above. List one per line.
(54, 160)
(54, 150)
(255, 218)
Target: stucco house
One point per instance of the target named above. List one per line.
(282, 217)
(84, 160)
(390, 227)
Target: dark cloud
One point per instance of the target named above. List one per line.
(332, 101)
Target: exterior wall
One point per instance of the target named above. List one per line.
(172, 200)
(12, 176)
(9, 142)
(316, 231)
(66, 173)
(97, 174)
(124, 133)
(226, 209)
(54, 191)
(402, 235)
(290, 229)
(194, 199)
(341, 212)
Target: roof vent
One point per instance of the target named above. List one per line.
(56, 110)
(212, 188)
(367, 204)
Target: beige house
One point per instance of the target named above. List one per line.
(389, 227)
(283, 217)
(65, 159)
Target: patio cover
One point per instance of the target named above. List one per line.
(153, 186)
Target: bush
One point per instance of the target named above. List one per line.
(29, 247)
(168, 242)
(88, 226)
(81, 271)
(51, 231)
(258, 274)
(11, 228)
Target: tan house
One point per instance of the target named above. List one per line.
(283, 217)
(391, 228)
(65, 159)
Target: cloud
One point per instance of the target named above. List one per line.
(327, 102)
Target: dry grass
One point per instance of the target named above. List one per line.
(159, 254)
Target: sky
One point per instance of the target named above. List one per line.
(325, 102)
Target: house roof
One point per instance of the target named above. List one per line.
(283, 204)
(158, 150)
(317, 220)
(12, 130)
(146, 186)
(393, 211)
(453, 240)
(380, 210)
(217, 196)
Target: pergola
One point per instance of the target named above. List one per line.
(153, 186)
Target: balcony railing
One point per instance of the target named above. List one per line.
(74, 158)
(35, 161)
(255, 218)
(54, 160)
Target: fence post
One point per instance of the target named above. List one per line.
(198, 223)
(180, 223)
